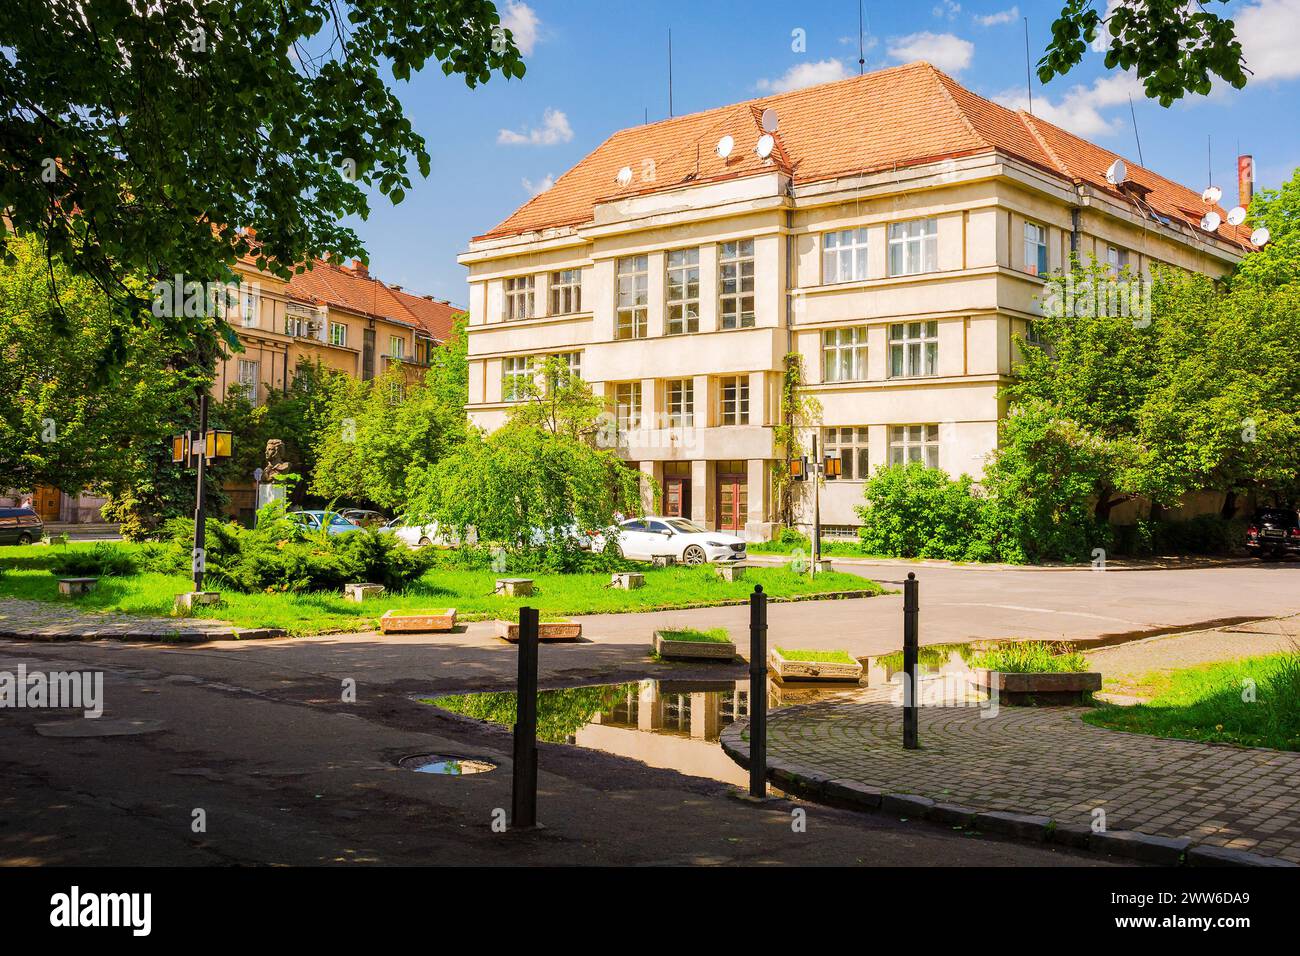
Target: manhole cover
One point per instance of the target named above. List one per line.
(445, 764)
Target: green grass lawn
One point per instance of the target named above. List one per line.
(714, 635)
(817, 657)
(1031, 657)
(24, 574)
(1254, 702)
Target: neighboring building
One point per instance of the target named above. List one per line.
(339, 316)
(895, 236)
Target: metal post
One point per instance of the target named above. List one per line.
(758, 693)
(524, 784)
(817, 509)
(911, 609)
(200, 509)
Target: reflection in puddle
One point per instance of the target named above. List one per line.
(443, 764)
(674, 725)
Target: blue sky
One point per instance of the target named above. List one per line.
(595, 66)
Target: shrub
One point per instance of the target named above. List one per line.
(917, 512)
(559, 557)
(1032, 657)
(100, 561)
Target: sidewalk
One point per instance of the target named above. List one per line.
(44, 621)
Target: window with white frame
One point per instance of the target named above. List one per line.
(633, 297)
(250, 307)
(566, 291)
(1035, 249)
(844, 256)
(682, 292)
(516, 372)
(734, 400)
(397, 347)
(850, 443)
(1116, 260)
(249, 372)
(574, 362)
(913, 247)
(908, 443)
(627, 405)
(844, 354)
(913, 349)
(736, 284)
(338, 334)
(681, 403)
(519, 298)
(295, 325)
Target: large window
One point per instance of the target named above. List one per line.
(573, 360)
(519, 298)
(913, 349)
(250, 305)
(515, 374)
(850, 443)
(633, 297)
(913, 247)
(566, 291)
(249, 372)
(683, 291)
(844, 256)
(681, 403)
(734, 398)
(627, 405)
(844, 354)
(909, 443)
(338, 334)
(736, 275)
(295, 325)
(397, 347)
(1035, 249)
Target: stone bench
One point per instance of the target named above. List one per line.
(730, 572)
(627, 580)
(356, 593)
(71, 586)
(514, 587)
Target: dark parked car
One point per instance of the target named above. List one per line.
(20, 526)
(1273, 532)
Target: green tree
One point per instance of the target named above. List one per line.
(917, 512)
(1278, 263)
(136, 137)
(1173, 46)
(558, 401)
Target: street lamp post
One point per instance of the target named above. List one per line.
(199, 448)
(814, 468)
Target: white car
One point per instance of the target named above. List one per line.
(655, 536)
(414, 535)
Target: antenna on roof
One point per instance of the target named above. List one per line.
(670, 72)
(1029, 82)
(1133, 113)
(862, 60)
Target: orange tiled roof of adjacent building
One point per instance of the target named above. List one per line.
(904, 116)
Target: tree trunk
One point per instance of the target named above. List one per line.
(1229, 509)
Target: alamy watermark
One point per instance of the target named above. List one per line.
(1126, 298)
(75, 690)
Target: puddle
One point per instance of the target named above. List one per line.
(673, 725)
(445, 764)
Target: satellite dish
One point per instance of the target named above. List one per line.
(1116, 172)
(765, 145)
(769, 120)
(624, 176)
(725, 146)
(1212, 194)
(1236, 216)
(1259, 237)
(1210, 222)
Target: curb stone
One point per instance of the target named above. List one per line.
(952, 815)
(1026, 826)
(1142, 846)
(1205, 855)
(1076, 835)
(906, 804)
(853, 793)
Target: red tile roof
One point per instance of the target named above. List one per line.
(899, 117)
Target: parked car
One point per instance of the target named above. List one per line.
(331, 521)
(585, 540)
(1273, 532)
(20, 526)
(364, 517)
(656, 535)
(416, 535)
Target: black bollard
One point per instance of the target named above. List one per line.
(524, 783)
(911, 609)
(758, 693)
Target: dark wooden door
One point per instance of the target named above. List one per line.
(733, 502)
(677, 496)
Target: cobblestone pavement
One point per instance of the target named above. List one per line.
(1047, 761)
(44, 621)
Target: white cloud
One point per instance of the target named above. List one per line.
(554, 129)
(999, 18)
(1080, 110)
(947, 9)
(534, 188)
(522, 22)
(947, 51)
(1102, 42)
(805, 74)
(1269, 31)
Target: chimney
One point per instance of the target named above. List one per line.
(1245, 180)
(359, 268)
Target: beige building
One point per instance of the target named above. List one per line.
(892, 229)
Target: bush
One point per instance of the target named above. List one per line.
(559, 557)
(917, 512)
(102, 560)
(1203, 534)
